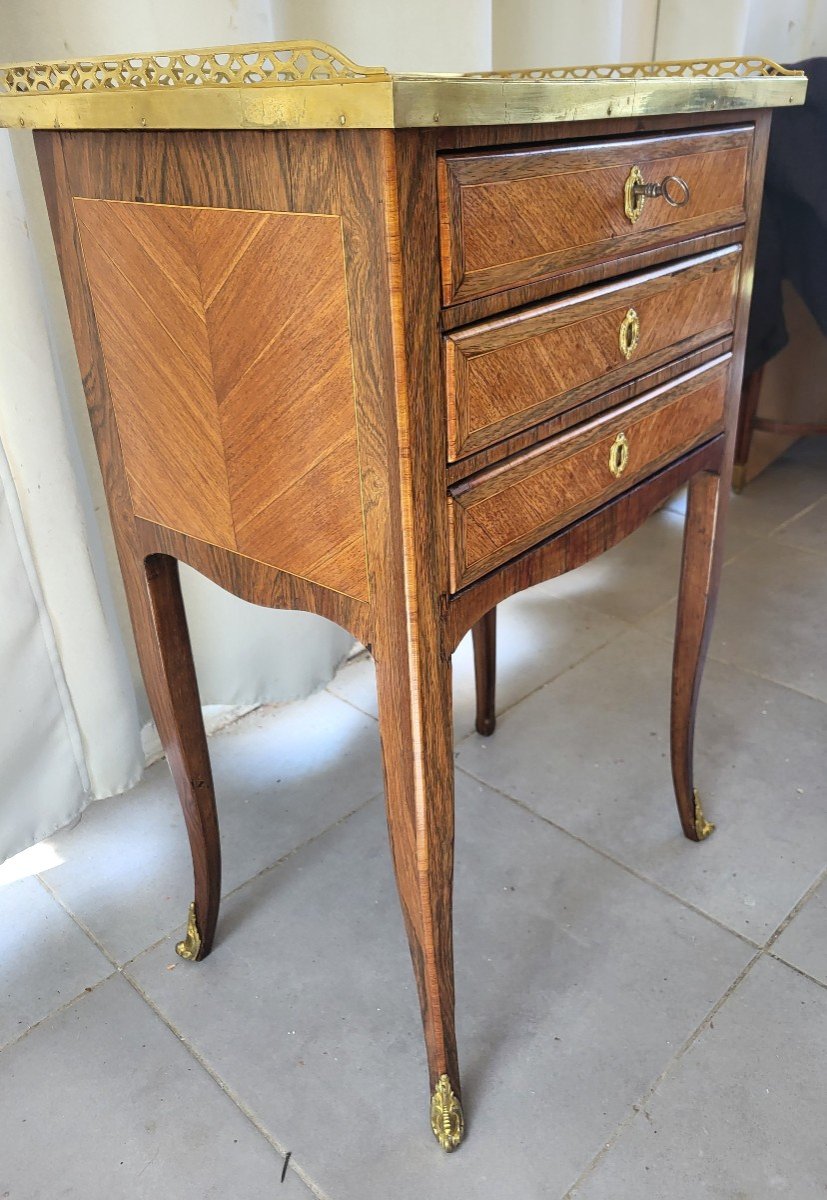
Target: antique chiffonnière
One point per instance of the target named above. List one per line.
(390, 348)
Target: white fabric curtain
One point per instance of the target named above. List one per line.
(71, 703)
(71, 700)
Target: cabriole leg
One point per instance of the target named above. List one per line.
(700, 572)
(169, 674)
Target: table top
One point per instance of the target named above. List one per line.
(310, 85)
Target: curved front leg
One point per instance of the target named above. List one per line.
(169, 674)
(415, 724)
(700, 574)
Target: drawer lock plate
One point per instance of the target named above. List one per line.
(619, 455)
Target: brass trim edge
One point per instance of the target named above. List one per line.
(260, 64)
(745, 67)
(447, 1121)
(310, 85)
(190, 948)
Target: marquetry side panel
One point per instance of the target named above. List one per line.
(226, 339)
(151, 323)
(502, 512)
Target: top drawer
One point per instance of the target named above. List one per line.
(517, 216)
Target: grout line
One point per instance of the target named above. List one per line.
(729, 662)
(264, 871)
(633, 871)
(627, 625)
(82, 926)
(57, 1011)
(762, 952)
(224, 896)
(808, 550)
(796, 909)
(802, 512)
(798, 970)
(640, 1105)
(301, 846)
(226, 1089)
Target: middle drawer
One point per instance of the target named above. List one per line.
(511, 373)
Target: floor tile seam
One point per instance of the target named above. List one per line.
(550, 679)
(796, 909)
(754, 538)
(501, 712)
(640, 1105)
(617, 862)
(264, 870)
(87, 990)
(785, 962)
(808, 508)
(711, 656)
(301, 846)
(78, 921)
(228, 1091)
(351, 704)
(820, 554)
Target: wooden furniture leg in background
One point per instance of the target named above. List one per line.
(700, 572)
(169, 674)
(416, 728)
(484, 635)
(750, 394)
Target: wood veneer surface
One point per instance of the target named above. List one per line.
(505, 375)
(511, 217)
(233, 392)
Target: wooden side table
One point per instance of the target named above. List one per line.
(390, 349)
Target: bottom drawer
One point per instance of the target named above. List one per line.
(501, 512)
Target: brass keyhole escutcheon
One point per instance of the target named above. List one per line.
(629, 334)
(619, 455)
(672, 189)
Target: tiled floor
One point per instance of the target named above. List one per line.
(639, 1017)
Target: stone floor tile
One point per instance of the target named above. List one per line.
(576, 983)
(282, 775)
(590, 751)
(807, 531)
(45, 959)
(804, 942)
(741, 1115)
(102, 1101)
(770, 616)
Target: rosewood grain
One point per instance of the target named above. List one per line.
(455, 472)
(512, 217)
(499, 513)
(208, 403)
(579, 543)
(509, 374)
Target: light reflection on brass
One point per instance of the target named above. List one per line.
(629, 335)
(447, 1120)
(190, 948)
(619, 455)
(703, 828)
(309, 85)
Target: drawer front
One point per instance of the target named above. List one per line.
(509, 374)
(519, 216)
(499, 513)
